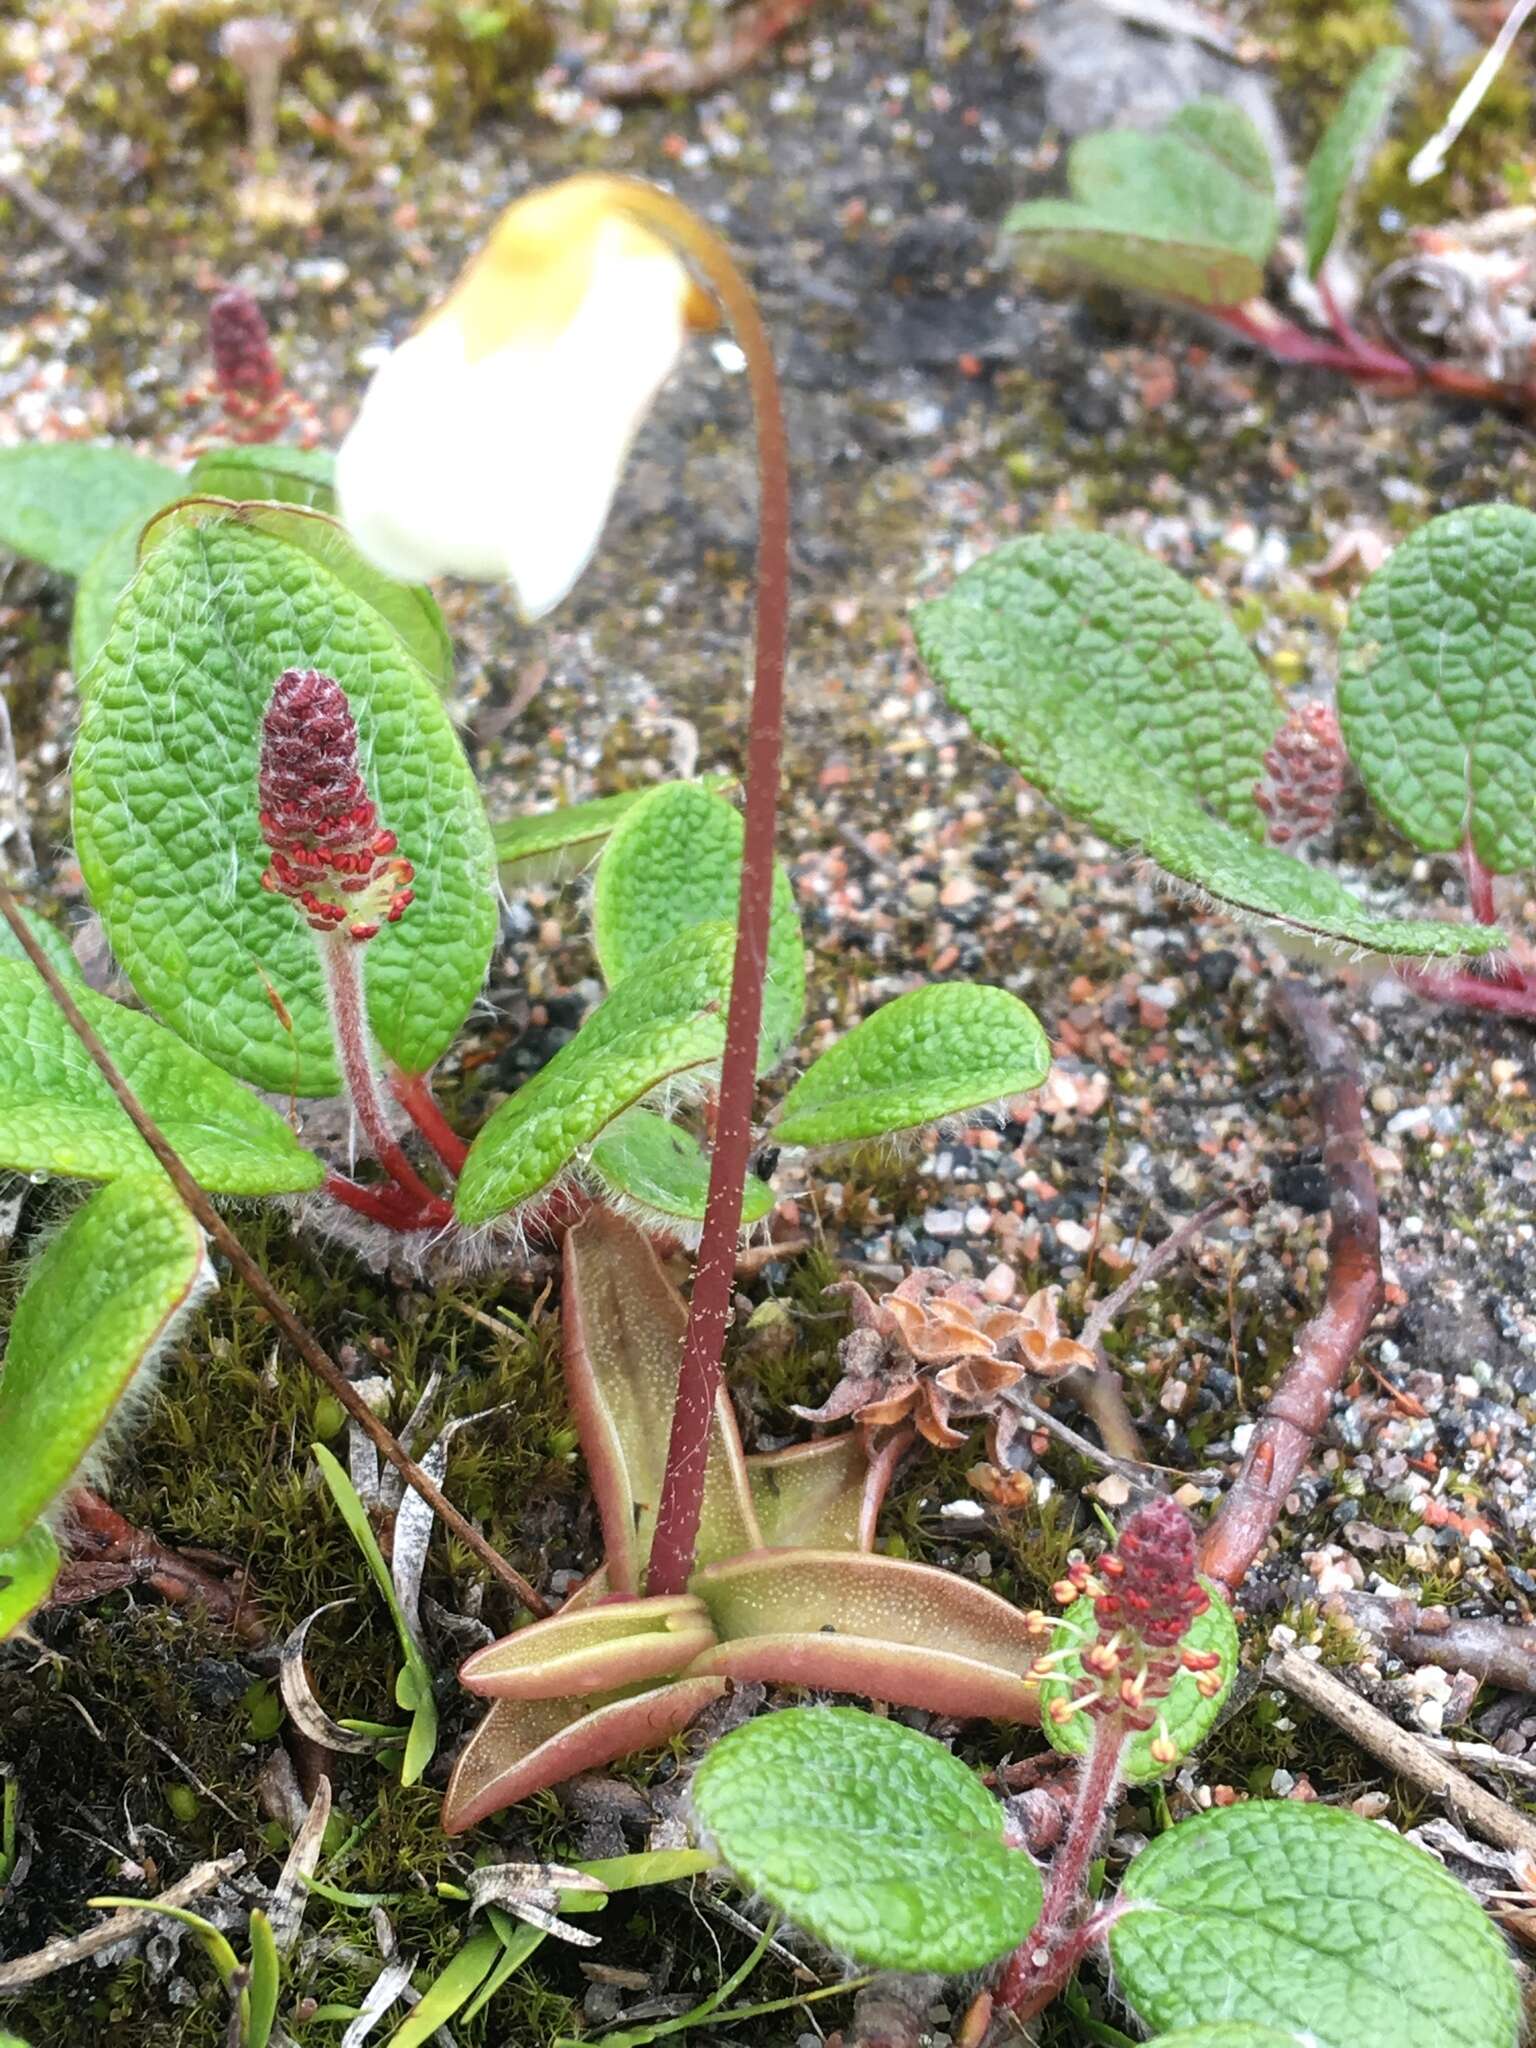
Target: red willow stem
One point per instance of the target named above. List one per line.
(1326, 1346)
(260, 1287)
(682, 1492)
(382, 1203)
(1479, 884)
(414, 1094)
(1027, 1986)
(1515, 997)
(341, 957)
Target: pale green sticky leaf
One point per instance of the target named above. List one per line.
(451, 1989)
(413, 1682)
(548, 846)
(166, 813)
(663, 1021)
(266, 1981)
(1347, 145)
(519, 1942)
(27, 1572)
(1437, 685)
(674, 861)
(1186, 211)
(945, 1050)
(410, 608)
(60, 501)
(267, 471)
(1141, 713)
(10, 2040)
(1081, 636)
(98, 1304)
(52, 941)
(58, 1116)
(663, 1171)
(1229, 2034)
(1307, 1911)
(299, 476)
(873, 1838)
(1186, 1716)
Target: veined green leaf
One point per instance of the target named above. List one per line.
(673, 862)
(265, 471)
(60, 501)
(52, 941)
(166, 813)
(663, 1171)
(1133, 720)
(1437, 685)
(873, 1838)
(1347, 145)
(57, 1114)
(550, 845)
(1351, 1934)
(1186, 211)
(939, 1052)
(99, 1303)
(664, 1020)
(27, 1572)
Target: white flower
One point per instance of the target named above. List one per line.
(490, 442)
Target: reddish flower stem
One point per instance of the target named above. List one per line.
(682, 1493)
(1052, 1950)
(414, 1094)
(1366, 361)
(1325, 1347)
(342, 959)
(255, 1280)
(1479, 884)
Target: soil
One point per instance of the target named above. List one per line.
(936, 406)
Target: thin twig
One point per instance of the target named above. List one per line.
(302, 1339)
(1133, 1469)
(1411, 1758)
(1497, 1652)
(82, 246)
(1104, 1314)
(1326, 1346)
(77, 1948)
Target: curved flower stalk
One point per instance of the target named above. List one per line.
(489, 445)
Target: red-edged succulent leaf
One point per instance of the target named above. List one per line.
(623, 1336)
(880, 1626)
(809, 1496)
(598, 1648)
(523, 1746)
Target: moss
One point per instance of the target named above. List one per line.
(1488, 167)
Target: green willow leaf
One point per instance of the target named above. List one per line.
(1187, 211)
(549, 846)
(1228, 2034)
(1187, 1716)
(299, 476)
(60, 501)
(27, 1572)
(941, 1051)
(166, 813)
(98, 1305)
(666, 1019)
(1347, 145)
(673, 862)
(663, 1172)
(1121, 696)
(58, 1116)
(52, 941)
(410, 608)
(1437, 685)
(1309, 1912)
(873, 1838)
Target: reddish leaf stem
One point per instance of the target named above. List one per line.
(302, 1339)
(414, 1094)
(1051, 1951)
(1511, 997)
(1479, 884)
(1366, 361)
(682, 1493)
(343, 963)
(383, 1203)
(1299, 1406)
